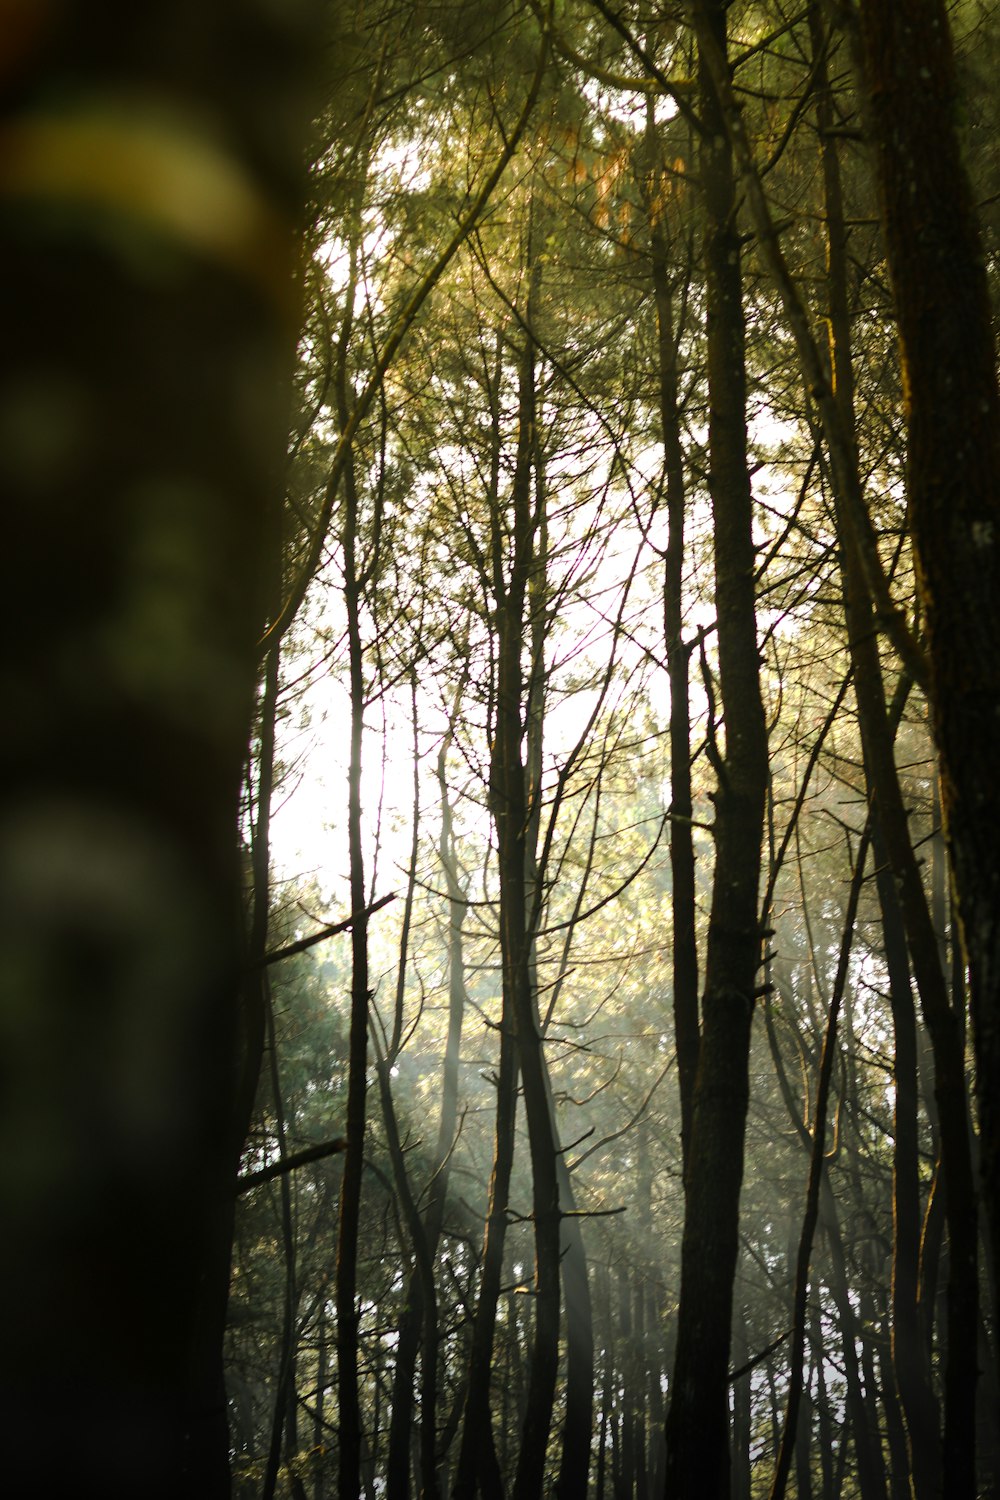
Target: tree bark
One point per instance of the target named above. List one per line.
(146, 338)
(511, 812)
(800, 1308)
(911, 1368)
(684, 957)
(477, 1463)
(574, 1458)
(413, 1329)
(948, 353)
(698, 1416)
(871, 1475)
(942, 1020)
(348, 1225)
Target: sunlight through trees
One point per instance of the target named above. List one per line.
(581, 1039)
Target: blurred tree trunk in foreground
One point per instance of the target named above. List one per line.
(149, 174)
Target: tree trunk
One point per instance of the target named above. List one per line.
(910, 1365)
(145, 341)
(413, 1329)
(574, 1458)
(942, 1020)
(911, 1370)
(477, 1462)
(349, 1222)
(871, 1477)
(682, 868)
(512, 814)
(698, 1416)
(476, 1445)
(283, 1423)
(810, 1219)
(868, 1452)
(742, 1468)
(948, 353)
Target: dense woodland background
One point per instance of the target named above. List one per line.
(599, 594)
(619, 944)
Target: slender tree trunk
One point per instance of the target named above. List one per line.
(900, 1464)
(871, 1477)
(803, 1449)
(256, 992)
(625, 1487)
(574, 1465)
(823, 1423)
(684, 947)
(874, 1398)
(511, 811)
(911, 1367)
(656, 1371)
(639, 1323)
(415, 1328)
(698, 1416)
(319, 1434)
(988, 1425)
(476, 1444)
(742, 1470)
(867, 1448)
(607, 1385)
(349, 1409)
(574, 1459)
(422, 1299)
(788, 1448)
(430, 1487)
(257, 1010)
(283, 1421)
(477, 1461)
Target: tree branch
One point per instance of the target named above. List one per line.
(301, 1158)
(302, 945)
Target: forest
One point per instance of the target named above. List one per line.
(500, 839)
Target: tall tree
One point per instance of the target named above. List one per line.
(150, 187)
(698, 1415)
(943, 1023)
(948, 352)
